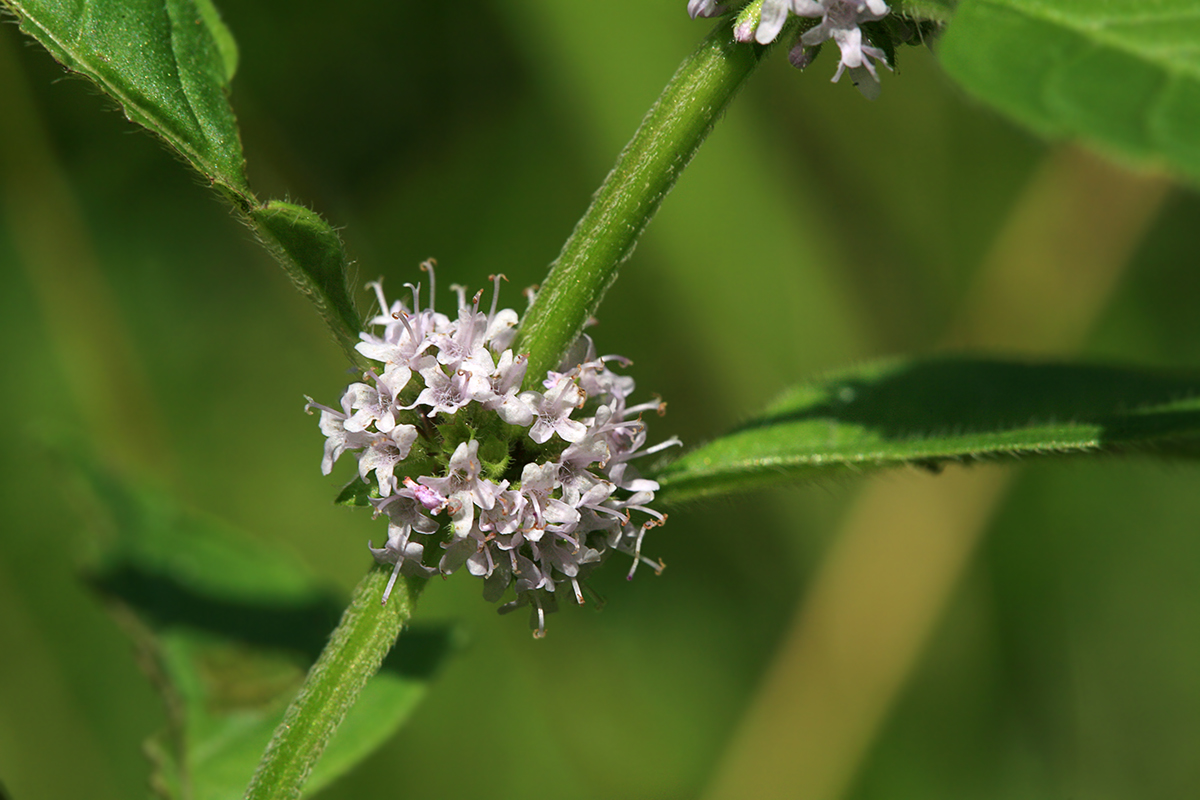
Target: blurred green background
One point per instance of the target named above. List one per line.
(814, 229)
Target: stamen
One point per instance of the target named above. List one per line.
(311, 404)
(652, 405)
(427, 266)
(637, 552)
(378, 287)
(540, 633)
(400, 315)
(674, 440)
(495, 279)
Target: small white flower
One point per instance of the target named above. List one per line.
(553, 411)
(385, 452)
(840, 21)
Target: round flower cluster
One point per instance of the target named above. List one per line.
(525, 488)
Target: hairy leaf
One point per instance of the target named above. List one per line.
(1122, 74)
(929, 412)
(168, 64)
(311, 252)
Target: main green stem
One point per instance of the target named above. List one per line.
(645, 171)
(364, 636)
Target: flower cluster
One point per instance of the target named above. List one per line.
(529, 489)
(840, 20)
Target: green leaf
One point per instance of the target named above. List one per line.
(230, 626)
(935, 10)
(312, 254)
(168, 64)
(929, 412)
(223, 38)
(1123, 74)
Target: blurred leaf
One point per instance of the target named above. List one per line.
(167, 62)
(927, 412)
(312, 253)
(936, 10)
(228, 627)
(1124, 74)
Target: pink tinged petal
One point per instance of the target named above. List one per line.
(429, 498)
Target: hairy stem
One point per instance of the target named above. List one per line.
(364, 636)
(645, 171)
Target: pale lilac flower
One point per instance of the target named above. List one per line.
(442, 392)
(431, 499)
(371, 406)
(553, 411)
(840, 21)
(578, 497)
(385, 452)
(463, 477)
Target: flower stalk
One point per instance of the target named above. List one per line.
(355, 651)
(647, 168)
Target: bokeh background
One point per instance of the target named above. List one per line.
(1045, 642)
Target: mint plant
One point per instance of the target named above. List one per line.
(512, 445)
